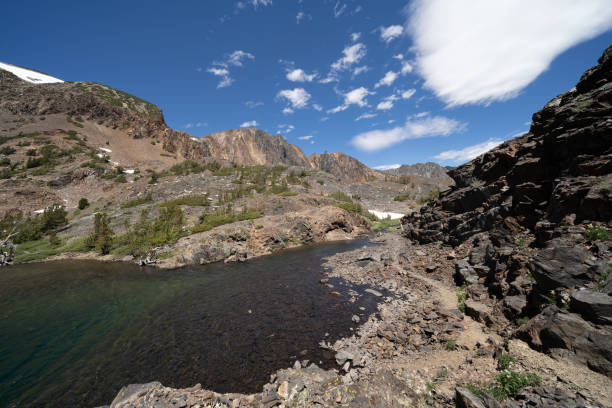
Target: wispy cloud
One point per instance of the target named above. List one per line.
(225, 80)
(365, 116)
(468, 153)
(339, 9)
(412, 129)
(221, 68)
(255, 3)
(355, 97)
(480, 51)
(284, 128)
(251, 123)
(388, 34)
(253, 104)
(305, 137)
(387, 167)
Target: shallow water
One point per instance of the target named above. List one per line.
(73, 332)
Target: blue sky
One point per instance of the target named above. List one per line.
(387, 82)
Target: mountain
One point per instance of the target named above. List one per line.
(343, 166)
(106, 112)
(429, 169)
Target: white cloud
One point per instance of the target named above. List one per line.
(387, 34)
(255, 3)
(305, 137)
(387, 80)
(470, 152)
(387, 167)
(285, 128)
(365, 116)
(302, 16)
(360, 70)
(253, 104)
(189, 126)
(399, 57)
(328, 79)
(288, 111)
(384, 105)
(351, 55)
(250, 123)
(355, 97)
(226, 80)
(236, 57)
(408, 94)
(406, 68)
(317, 107)
(412, 129)
(355, 36)
(298, 75)
(339, 8)
(221, 69)
(480, 51)
(297, 97)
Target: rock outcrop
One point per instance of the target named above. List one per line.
(537, 211)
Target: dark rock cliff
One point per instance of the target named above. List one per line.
(538, 212)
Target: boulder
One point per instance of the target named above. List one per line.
(561, 267)
(593, 306)
(566, 335)
(465, 399)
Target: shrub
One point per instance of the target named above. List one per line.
(505, 361)
(432, 195)
(321, 182)
(8, 150)
(209, 221)
(520, 242)
(451, 345)
(148, 233)
(83, 203)
(402, 197)
(31, 152)
(521, 321)
(594, 233)
(461, 298)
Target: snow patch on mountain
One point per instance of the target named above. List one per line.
(29, 75)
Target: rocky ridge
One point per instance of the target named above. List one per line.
(429, 169)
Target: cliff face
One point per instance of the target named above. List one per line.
(560, 167)
(344, 167)
(538, 212)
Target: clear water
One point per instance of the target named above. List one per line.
(73, 332)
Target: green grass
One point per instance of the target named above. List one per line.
(451, 345)
(340, 196)
(521, 321)
(403, 197)
(43, 248)
(521, 242)
(385, 225)
(461, 298)
(138, 201)
(196, 200)
(287, 193)
(432, 195)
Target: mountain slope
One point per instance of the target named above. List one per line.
(109, 110)
(343, 166)
(429, 169)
